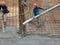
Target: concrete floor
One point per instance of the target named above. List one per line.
(31, 40)
(10, 37)
(9, 32)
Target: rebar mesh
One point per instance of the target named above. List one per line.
(49, 23)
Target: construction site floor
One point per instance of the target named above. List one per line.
(9, 32)
(31, 40)
(10, 37)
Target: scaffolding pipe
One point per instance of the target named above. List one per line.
(27, 21)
